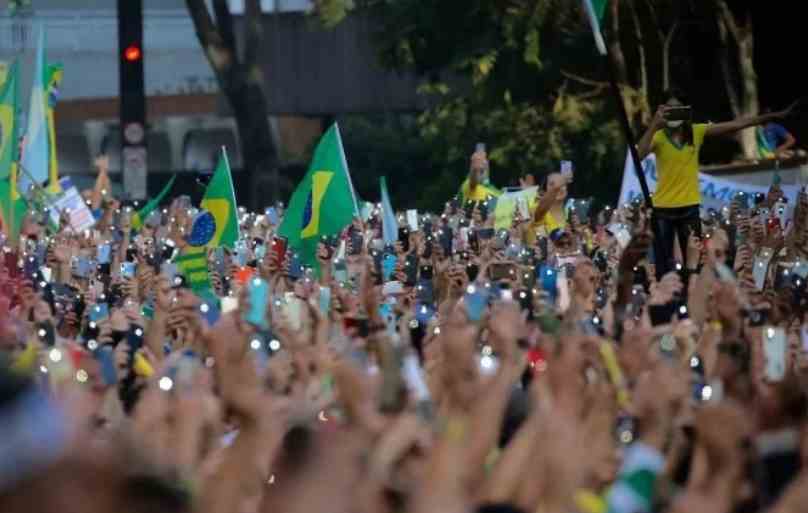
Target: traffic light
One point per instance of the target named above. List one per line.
(132, 97)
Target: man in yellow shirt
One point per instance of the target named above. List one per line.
(676, 141)
(477, 187)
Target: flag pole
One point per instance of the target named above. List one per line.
(347, 172)
(624, 122)
(39, 189)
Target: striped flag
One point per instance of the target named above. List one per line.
(194, 266)
(12, 206)
(389, 223)
(595, 11)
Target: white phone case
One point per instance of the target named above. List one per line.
(774, 348)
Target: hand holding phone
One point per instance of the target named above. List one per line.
(258, 293)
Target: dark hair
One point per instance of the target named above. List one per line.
(675, 92)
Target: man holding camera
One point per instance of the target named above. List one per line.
(676, 141)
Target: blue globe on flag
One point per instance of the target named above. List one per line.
(202, 229)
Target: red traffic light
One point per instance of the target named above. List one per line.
(132, 53)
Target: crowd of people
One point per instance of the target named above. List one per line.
(553, 365)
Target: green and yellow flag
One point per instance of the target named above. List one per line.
(12, 205)
(151, 206)
(53, 80)
(323, 203)
(193, 264)
(220, 201)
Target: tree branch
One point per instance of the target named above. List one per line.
(655, 19)
(726, 15)
(584, 80)
(203, 23)
(253, 31)
(732, 93)
(645, 108)
(666, 56)
(224, 20)
(219, 55)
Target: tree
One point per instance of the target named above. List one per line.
(241, 80)
(737, 32)
(491, 72)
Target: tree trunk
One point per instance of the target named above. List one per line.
(257, 149)
(241, 82)
(745, 103)
(619, 58)
(643, 105)
(666, 57)
(750, 104)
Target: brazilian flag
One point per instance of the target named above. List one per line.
(220, 201)
(12, 205)
(323, 204)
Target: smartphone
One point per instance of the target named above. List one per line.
(475, 300)
(210, 312)
(412, 220)
(357, 243)
(566, 170)
(325, 299)
(128, 270)
(46, 334)
(103, 254)
(83, 267)
(279, 248)
(258, 293)
(404, 238)
(99, 312)
(135, 338)
(446, 240)
(106, 360)
(424, 292)
(389, 262)
(760, 267)
(295, 267)
(501, 271)
(272, 215)
(485, 233)
(679, 113)
(548, 279)
(774, 348)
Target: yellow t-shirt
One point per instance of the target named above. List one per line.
(677, 169)
(547, 224)
(480, 193)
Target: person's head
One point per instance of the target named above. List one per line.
(528, 180)
(556, 181)
(675, 97)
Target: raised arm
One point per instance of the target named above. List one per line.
(644, 146)
(478, 161)
(741, 123)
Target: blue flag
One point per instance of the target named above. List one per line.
(389, 223)
(36, 152)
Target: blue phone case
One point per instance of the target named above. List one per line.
(210, 312)
(99, 312)
(106, 359)
(258, 291)
(475, 304)
(104, 253)
(388, 266)
(128, 270)
(548, 277)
